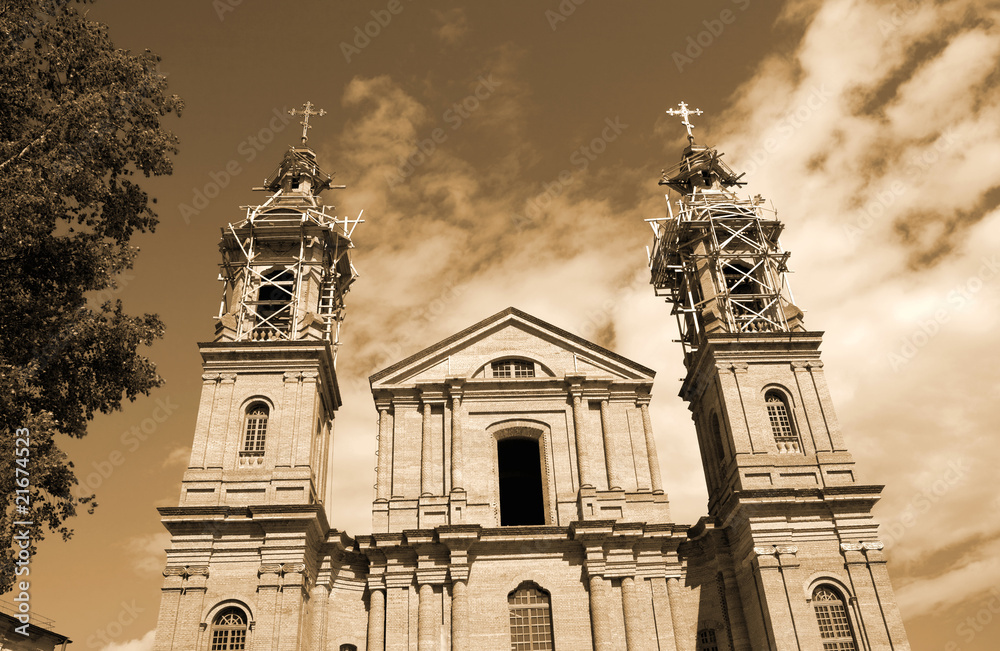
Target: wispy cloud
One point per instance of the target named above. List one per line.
(145, 643)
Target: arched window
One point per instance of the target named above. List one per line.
(520, 469)
(252, 451)
(834, 624)
(707, 640)
(229, 631)
(273, 306)
(781, 423)
(348, 647)
(513, 368)
(530, 618)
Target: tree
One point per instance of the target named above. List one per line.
(79, 119)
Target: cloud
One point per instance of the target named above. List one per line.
(145, 643)
(178, 457)
(454, 25)
(147, 552)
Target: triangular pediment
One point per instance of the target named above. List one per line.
(511, 334)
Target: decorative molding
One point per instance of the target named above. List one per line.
(269, 568)
(292, 568)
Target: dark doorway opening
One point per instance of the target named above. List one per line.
(520, 482)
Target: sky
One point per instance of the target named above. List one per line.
(873, 127)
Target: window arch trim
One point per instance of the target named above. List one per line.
(257, 424)
(213, 613)
(533, 627)
(482, 366)
(527, 429)
(780, 412)
(829, 621)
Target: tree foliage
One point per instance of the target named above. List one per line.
(79, 122)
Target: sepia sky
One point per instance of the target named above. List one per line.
(874, 128)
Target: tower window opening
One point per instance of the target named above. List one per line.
(834, 624)
(781, 423)
(746, 300)
(229, 631)
(273, 306)
(255, 434)
(513, 368)
(530, 618)
(520, 471)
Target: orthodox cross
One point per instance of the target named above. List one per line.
(684, 112)
(305, 112)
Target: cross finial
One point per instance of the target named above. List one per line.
(684, 111)
(305, 112)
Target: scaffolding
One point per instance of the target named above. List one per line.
(716, 258)
(286, 266)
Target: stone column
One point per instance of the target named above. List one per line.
(778, 618)
(426, 467)
(683, 635)
(610, 448)
(456, 444)
(654, 462)
(291, 603)
(191, 607)
(583, 454)
(427, 634)
(376, 621)
(600, 623)
(459, 616)
(173, 586)
(384, 483)
(662, 614)
(883, 592)
(873, 620)
(635, 636)
(397, 618)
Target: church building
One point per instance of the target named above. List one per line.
(518, 498)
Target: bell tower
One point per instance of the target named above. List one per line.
(781, 481)
(250, 525)
(266, 420)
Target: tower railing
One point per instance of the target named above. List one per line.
(735, 241)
